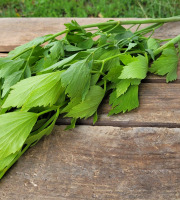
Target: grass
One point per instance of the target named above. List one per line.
(89, 8)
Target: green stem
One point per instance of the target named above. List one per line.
(55, 35)
(113, 27)
(97, 72)
(27, 61)
(141, 21)
(12, 163)
(28, 145)
(140, 32)
(47, 39)
(104, 86)
(49, 110)
(173, 41)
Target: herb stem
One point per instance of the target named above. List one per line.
(47, 39)
(141, 21)
(16, 158)
(173, 41)
(97, 72)
(49, 110)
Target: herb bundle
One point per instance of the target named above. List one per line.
(71, 76)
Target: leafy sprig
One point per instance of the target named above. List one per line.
(71, 76)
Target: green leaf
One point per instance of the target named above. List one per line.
(89, 106)
(126, 102)
(86, 44)
(136, 69)
(60, 64)
(130, 46)
(122, 87)
(54, 51)
(41, 90)
(114, 73)
(124, 35)
(94, 79)
(32, 43)
(126, 59)
(7, 160)
(77, 78)
(72, 103)
(72, 48)
(8, 67)
(27, 72)
(33, 139)
(151, 53)
(102, 54)
(95, 117)
(72, 125)
(73, 25)
(102, 40)
(15, 128)
(152, 44)
(10, 81)
(166, 64)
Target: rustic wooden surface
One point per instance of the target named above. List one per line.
(130, 156)
(98, 163)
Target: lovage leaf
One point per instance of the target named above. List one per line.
(102, 54)
(6, 161)
(10, 66)
(65, 61)
(34, 138)
(41, 90)
(123, 85)
(15, 128)
(126, 102)
(51, 55)
(76, 78)
(166, 64)
(89, 106)
(73, 25)
(130, 46)
(114, 73)
(35, 42)
(152, 44)
(135, 69)
(10, 81)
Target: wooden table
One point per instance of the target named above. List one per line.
(127, 156)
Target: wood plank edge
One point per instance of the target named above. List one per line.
(89, 122)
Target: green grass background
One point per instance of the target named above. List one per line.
(89, 8)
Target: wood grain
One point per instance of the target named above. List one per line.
(159, 107)
(98, 163)
(17, 31)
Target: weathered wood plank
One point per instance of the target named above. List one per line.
(98, 163)
(17, 31)
(159, 106)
